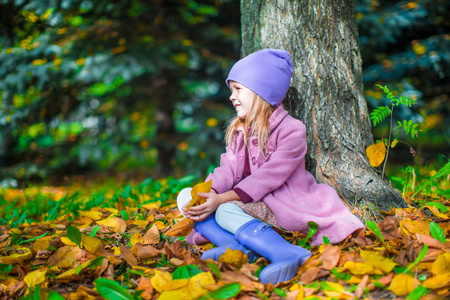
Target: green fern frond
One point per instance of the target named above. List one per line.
(379, 114)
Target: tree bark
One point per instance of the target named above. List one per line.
(326, 90)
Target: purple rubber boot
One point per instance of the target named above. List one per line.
(221, 238)
(285, 258)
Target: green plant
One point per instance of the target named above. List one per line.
(381, 113)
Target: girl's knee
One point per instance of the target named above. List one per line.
(223, 212)
(224, 209)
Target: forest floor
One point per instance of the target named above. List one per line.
(102, 241)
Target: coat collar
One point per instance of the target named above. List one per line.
(277, 116)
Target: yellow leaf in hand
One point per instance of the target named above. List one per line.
(233, 257)
(376, 153)
(204, 187)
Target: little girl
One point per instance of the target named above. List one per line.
(262, 181)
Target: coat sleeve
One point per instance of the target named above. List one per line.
(288, 156)
(223, 176)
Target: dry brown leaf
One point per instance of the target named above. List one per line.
(64, 257)
(204, 187)
(181, 228)
(330, 257)
(145, 284)
(144, 252)
(428, 240)
(359, 292)
(152, 236)
(128, 256)
(175, 249)
(310, 275)
(247, 284)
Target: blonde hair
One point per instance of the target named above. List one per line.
(255, 124)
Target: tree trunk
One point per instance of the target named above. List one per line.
(326, 91)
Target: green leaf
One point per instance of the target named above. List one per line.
(343, 276)
(111, 290)
(124, 215)
(374, 227)
(437, 232)
(74, 234)
(36, 293)
(419, 258)
(54, 296)
(225, 292)
(418, 293)
(215, 269)
(5, 268)
(94, 231)
(313, 227)
(181, 272)
(442, 208)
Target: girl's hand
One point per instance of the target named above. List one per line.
(201, 212)
(184, 208)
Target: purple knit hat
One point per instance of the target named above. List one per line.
(266, 72)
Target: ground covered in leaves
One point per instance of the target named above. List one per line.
(92, 242)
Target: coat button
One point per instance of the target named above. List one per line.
(255, 142)
(254, 160)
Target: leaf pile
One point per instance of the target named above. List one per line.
(117, 247)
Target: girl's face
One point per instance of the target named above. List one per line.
(242, 99)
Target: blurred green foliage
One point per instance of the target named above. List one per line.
(405, 45)
(138, 85)
(113, 85)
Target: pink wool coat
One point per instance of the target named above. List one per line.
(283, 183)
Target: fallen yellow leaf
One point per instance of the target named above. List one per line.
(437, 282)
(90, 243)
(152, 205)
(116, 224)
(67, 241)
(136, 238)
(442, 264)
(34, 278)
(204, 187)
(181, 228)
(73, 274)
(376, 154)
(160, 279)
(42, 244)
(233, 257)
(403, 284)
(375, 260)
(92, 214)
(141, 223)
(17, 257)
